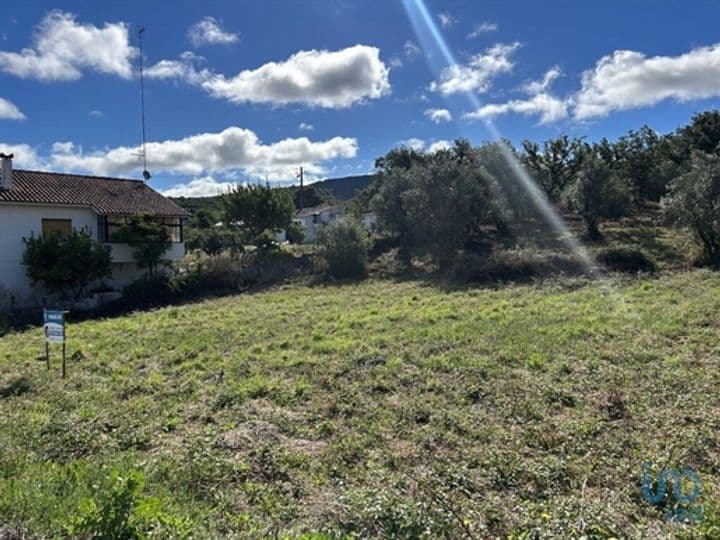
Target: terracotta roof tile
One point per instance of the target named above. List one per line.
(102, 194)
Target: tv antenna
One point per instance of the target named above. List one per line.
(146, 174)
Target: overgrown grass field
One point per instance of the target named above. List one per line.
(385, 408)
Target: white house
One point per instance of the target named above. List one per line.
(35, 203)
(311, 220)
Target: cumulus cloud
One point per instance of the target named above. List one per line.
(419, 145)
(208, 31)
(332, 79)
(446, 19)
(439, 145)
(206, 186)
(482, 28)
(62, 49)
(25, 156)
(10, 111)
(536, 87)
(540, 103)
(304, 126)
(230, 149)
(439, 115)
(629, 79)
(96, 113)
(549, 108)
(478, 74)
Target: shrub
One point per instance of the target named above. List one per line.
(215, 240)
(149, 240)
(694, 202)
(626, 259)
(295, 234)
(599, 193)
(344, 245)
(259, 208)
(66, 263)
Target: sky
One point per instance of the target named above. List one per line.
(250, 91)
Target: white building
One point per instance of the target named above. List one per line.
(311, 220)
(35, 203)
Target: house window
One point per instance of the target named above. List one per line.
(63, 227)
(110, 225)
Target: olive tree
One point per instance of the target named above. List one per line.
(694, 202)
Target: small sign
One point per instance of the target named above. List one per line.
(54, 326)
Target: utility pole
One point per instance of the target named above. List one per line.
(302, 189)
(145, 172)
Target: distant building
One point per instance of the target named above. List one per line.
(311, 220)
(36, 203)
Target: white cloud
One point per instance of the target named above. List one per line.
(438, 115)
(419, 145)
(63, 49)
(25, 156)
(10, 111)
(209, 32)
(540, 103)
(478, 73)
(414, 144)
(439, 145)
(304, 126)
(537, 87)
(395, 62)
(411, 48)
(231, 149)
(96, 114)
(446, 19)
(206, 186)
(548, 107)
(629, 79)
(482, 28)
(333, 79)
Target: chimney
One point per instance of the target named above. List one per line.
(6, 179)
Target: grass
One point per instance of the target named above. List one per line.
(375, 409)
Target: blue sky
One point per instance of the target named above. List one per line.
(244, 91)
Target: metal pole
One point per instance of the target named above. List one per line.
(142, 98)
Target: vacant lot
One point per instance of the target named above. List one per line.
(384, 408)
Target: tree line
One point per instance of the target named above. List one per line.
(451, 200)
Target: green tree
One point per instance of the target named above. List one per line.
(66, 264)
(149, 240)
(599, 193)
(258, 208)
(204, 217)
(436, 203)
(694, 202)
(215, 240)
(343, 245)
(556, 164)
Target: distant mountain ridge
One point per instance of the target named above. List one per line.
(343, 189)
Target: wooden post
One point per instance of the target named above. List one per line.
(47, 353)
(63, 366)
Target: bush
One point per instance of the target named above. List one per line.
(625, 259)
(215, 240)
(694, 202)
(599, 193)
(68, 263)
(344, 245)
(149, 240)
(295, 234)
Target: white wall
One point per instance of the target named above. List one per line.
(19, 221)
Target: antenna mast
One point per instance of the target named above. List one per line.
(146, 173)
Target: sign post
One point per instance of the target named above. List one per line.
(54, 324)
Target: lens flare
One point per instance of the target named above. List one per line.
(440, 57)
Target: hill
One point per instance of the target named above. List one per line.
(341, 189)
(525, 411)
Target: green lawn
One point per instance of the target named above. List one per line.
(377, 409)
